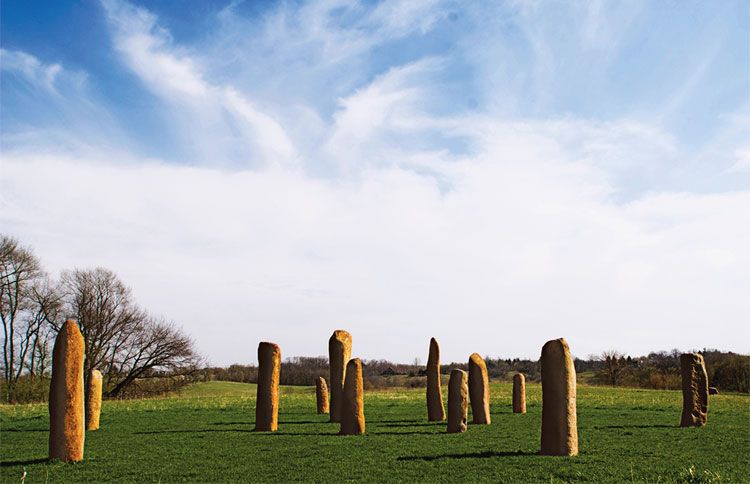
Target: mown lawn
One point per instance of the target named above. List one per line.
(205, 434)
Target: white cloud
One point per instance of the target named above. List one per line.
(202, 106)
(407, 221)
(524, 247)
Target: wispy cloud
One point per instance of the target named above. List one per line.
(393, 168)
(216, 119)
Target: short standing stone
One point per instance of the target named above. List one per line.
(66, 405)
(458, 401)
(559, 423)
(339, 352)
(267, 402)
(94, 397)
(713, 391)
(479, 390)
(694, 390)
(321, 394)
(435, 409)
(519, 393)
(353, 404)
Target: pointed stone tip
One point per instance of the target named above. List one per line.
(476, 358)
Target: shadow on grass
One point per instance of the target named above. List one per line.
(25, 430)
(410, 424)
(195, 431)
(642, 426)
(472, 455)
(9, 463)
(404, 433)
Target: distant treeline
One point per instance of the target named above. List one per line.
(727, 371)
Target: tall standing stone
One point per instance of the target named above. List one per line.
(267, 402)
(479, 390)
(694, 390)
(559, 425)
(94, 400)
(339, 352)
(67, 428)
(458, 401)
(321, 395)
(519, 393)
(435, 409)
(353, 404)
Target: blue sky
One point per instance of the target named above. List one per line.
(577, 169)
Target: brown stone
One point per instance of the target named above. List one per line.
(458, 401)
(694, 390)
(267, 402)
(713, 391)
(435, 409)
(321, 394)
(519, 393)
(353, 403)
(559, 423)
(339, 352)
(479, 390)
(94, 400)
(66, 406)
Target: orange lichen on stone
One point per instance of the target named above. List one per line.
(458, 401)
(66, 396)
(321, 395)
(339, 352)
(435, 409)
(353, 404)
(694, 390)
(519, 393)
(479, 390)
(559, 424)
(267, 402)
(94, 397)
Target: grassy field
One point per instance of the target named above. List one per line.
(205, 434)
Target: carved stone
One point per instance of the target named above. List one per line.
(267, 402)
(559, 423)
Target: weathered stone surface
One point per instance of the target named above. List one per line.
(339, 352)
(713, 391)
(94, 398)
(458, 401)
(559, 423)
(66, 406)
(353, 404)
(694, 390)
(435, 409)
(267, 402)
(321, 394)
(479, 390)
(519, 393)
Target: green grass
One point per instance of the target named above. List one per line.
(205, 434)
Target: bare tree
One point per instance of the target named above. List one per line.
(122, 340)
(19, 272)
(613, 365)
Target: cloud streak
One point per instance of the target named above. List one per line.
(335, 168)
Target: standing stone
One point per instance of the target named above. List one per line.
(94, 399)
(458, 401)
(321, 394)
(339, 352)
(267, 402)
(66, 406)
(519, 393)
(353, 403)
(559, 425)
(479, 390)
(694, 390)
(435, 409)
